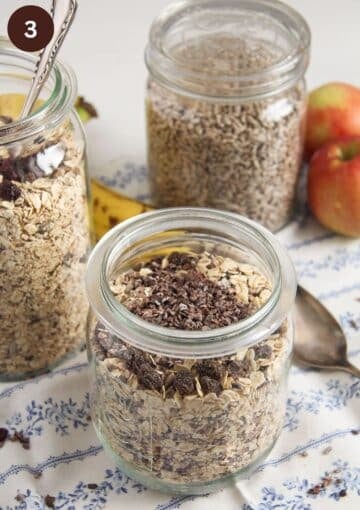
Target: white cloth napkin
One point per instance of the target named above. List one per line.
(321, 436)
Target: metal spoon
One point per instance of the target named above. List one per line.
(319, 339)
(63, 13)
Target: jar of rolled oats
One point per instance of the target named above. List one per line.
(225, 106)
(189, 341)
(44, 220)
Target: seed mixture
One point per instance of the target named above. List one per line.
(189, 420)
(44, 242)
(242, 156)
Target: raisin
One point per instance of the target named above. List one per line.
(262, 351)
(184, 382)
(210, 385)
(3, 434)
(210, 369)
(9, 191)
(49, 501)
(150, 378)
(237, 368)
(136, 361)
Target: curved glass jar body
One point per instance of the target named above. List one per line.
(225, 106)
(218, 431)
(44, 221)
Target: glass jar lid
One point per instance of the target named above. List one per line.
(228, 48)
(165, 231)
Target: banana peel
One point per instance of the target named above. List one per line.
(110, 208)
(85, 110)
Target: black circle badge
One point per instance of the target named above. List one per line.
(30, 28)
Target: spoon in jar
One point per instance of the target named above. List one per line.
(319, 339)
(63, 13)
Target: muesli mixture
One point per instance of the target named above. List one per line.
(186, 420)
(242, 156)
(44, 243)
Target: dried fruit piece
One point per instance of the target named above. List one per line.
(4, 433)
(262, 351)
(49, 501)
(209, 385)
(150, 378)
(9, 191)
(238, 368)
(184, 382)
(137, 361)
(210, 369)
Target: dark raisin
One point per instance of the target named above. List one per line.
(3, 434)
(262, 351)
(237, 368)
(137, 361)
(210, 385)
(49, 501)
(342, 493)
(210, 369)
(92, 486)
(9, 191)
(150, 378)
(184, 382)
(314, 490)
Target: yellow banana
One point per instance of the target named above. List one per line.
(111, 207)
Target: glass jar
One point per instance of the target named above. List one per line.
(44, 220)
(225, 106)
(186, 406)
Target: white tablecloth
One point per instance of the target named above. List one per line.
(320, 436)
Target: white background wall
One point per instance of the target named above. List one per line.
(106, 46)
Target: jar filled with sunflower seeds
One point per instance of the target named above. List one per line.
(44, 220)
(189, 340)
(225, 106)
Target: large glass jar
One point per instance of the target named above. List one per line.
(225, 106)
(44, 220)
(189, 340)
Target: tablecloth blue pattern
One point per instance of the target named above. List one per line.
(321, 433)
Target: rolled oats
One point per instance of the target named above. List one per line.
(243, 156)
(187, 421)
(44, 242)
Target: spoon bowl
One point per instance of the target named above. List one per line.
(319, 339)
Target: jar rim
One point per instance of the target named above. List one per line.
(270, 80)
(54, 108)
(184, 343)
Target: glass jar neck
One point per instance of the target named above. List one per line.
(56, 99)
(167, 230)
(228, 49)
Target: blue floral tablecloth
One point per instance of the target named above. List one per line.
(321, 436)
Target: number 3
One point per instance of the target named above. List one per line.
(31, 29)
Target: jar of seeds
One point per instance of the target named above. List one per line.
(225, 106)
(44, 220)
(189, 342)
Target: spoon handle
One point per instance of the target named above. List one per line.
(351, 369)
(63, 13)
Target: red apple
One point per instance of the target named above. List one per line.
(333, 112)
(334, 186)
